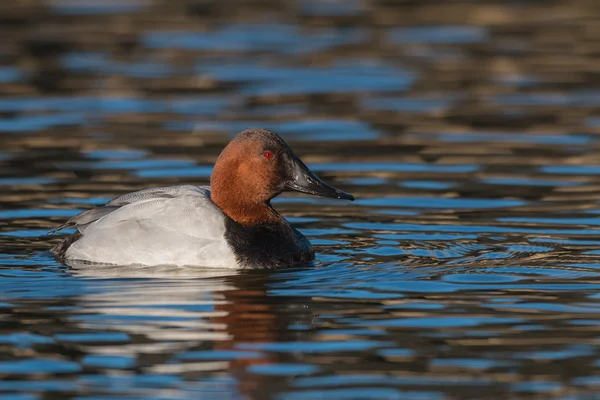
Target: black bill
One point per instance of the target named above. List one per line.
(303, 180)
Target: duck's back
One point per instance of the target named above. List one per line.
(177, 225)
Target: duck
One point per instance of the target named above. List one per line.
(229, 224)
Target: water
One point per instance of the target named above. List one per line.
(468, 267)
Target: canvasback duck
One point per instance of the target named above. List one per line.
(230, 224)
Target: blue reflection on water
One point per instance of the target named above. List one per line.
(350, 76)
(440, 202)
(409, 104)
(10, 74)
(435, 185)
(40, 365)
(439, 34)
(528, 181)
(250, 37)
(571, 169)
(32, 123)
(395, 167)
(93, 8)
(283, 369)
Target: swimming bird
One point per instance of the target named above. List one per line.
(229, 224)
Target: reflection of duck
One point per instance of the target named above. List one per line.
(230, 224)
(195, 327)
(253, 317)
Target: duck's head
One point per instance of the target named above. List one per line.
(256, 166)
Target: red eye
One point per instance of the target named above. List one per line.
(268, 154)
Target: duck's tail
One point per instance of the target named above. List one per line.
(61, 249)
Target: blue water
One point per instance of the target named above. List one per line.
(468, 266)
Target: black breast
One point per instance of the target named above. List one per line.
(268, 246)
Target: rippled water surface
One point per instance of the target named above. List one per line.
(468, 267)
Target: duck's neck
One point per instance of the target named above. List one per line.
(245, 212)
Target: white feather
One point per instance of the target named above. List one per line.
(177, 225)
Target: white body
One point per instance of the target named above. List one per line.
(178, 225)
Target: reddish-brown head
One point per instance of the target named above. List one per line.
(255, 167)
